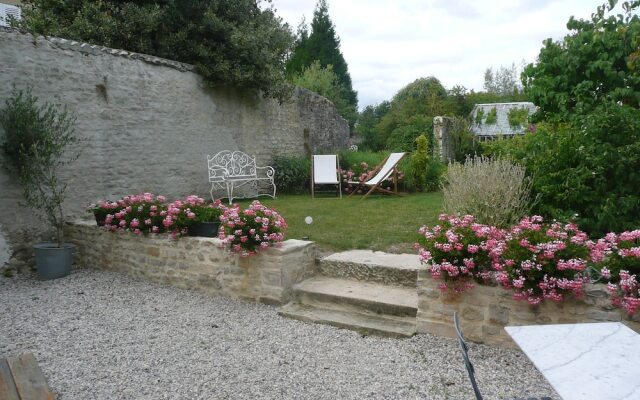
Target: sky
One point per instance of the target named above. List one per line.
(390, 43)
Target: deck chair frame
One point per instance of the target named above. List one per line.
(338, 182)
(379, 179)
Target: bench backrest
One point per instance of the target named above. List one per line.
(231, 165)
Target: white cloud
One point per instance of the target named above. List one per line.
(390, 43)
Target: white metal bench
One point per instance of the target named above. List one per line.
(230, 170)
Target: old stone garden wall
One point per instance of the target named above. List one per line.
(484, 311)
(196, 263)
(147, 124)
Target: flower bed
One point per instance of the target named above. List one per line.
(548, 271)
(245, 231)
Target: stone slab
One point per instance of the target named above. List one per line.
(584, 361)
(379, 258)
(372, 266)
(370, 296)
(365, 325)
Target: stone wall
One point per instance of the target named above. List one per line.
(147, 124)
(196, 263)
(484, 311)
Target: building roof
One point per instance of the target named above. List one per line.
(480, 127)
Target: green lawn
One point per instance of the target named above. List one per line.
(378, 222)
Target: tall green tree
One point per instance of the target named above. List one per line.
(236, 43)
(411, 114)
(323, 45)
(599, 60)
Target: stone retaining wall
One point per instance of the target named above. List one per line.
(196, 263)
(484, 311)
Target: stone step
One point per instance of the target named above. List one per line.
(363, 324)
(363, 297)
(372, 266)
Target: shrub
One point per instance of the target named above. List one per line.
(293, 174)
(542, 261)
(618, 257)
(536, 260)
(459, 251)
(589, 168)
(194, 209)
(495, 191)
(147, 213)
(252, 229)
(433, 176)
(139, 213)
(419, 160)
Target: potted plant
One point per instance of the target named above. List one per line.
(196, 216)
(37, 140)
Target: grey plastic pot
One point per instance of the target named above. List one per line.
(52, 261)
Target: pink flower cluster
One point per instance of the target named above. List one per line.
(148, 213)
(250, 230)
(139, 213)
(459, 250)
(543, 262)
(536, 260)
(620, 256)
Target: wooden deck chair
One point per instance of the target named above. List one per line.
(324, 171)
(383, 171)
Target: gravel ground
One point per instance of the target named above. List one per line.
(102, 335)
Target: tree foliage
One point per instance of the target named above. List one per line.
(411, 114)
(503, 82)
(324, 81)
(322, 45)
(584, 156)
(231, 42)
(368, 121)
(38, 140)
(589, 172)
(598, 61)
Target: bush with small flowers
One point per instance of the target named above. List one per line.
(250, 230)
(459, 251)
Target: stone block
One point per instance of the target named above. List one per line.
(601, 315)
(499, 314)
(471, 313)
(271, 278)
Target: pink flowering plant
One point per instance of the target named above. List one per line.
(140, 213)
(459, 251)
(250, 230)
(194, 209)
(544, 261)
(618, 257)
(103, 208)
(362, 173)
